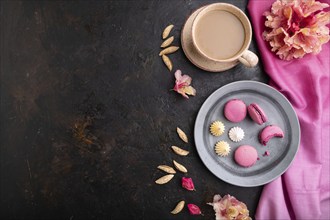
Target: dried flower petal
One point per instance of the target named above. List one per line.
(194, 209)
(228, 207)
(180, 151)
(166, 169)
(182, 84)
(167, 31)
(296, 28)
(178, 208)
(164, 179)
(187, 183)
(180, 167)
(182, 135)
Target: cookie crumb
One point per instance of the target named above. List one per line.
(266, 153)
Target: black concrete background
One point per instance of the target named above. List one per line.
(87, 111)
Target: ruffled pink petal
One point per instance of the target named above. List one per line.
(178, 75)
(324, 38)
(308, 7)
(186, 79)
(287, 13)
(182, 79)
(277, 6)
(322, 19)
(306, 40)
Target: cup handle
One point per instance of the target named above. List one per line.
(249, 59)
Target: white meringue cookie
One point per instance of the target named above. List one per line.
(236, 134)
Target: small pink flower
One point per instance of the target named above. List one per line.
(297, 27)
(188, 184)
(228, 207)
(194, 209)
(182, 84)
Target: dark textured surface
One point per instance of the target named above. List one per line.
(87, 113)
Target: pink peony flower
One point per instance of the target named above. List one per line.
(297, 27)
(229, 208)
(182, 84)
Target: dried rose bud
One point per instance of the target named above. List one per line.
(194, 209)
(187, 183)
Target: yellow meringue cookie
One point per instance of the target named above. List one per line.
(222, 148)
(217, 128)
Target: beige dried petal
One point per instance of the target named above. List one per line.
(189, 90)
(167, 62)
(182, 135)
(167, 42)
(164, 179)
(168, 50)
(178, 208)
(166, 169)
(180, 167)
(167, 31)
(179, 151)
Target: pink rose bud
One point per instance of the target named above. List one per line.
(187, 183)
(194, 209)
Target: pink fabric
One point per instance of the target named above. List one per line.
(303, 191)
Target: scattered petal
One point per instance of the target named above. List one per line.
(164, 179)
(180, 167)
(180, 151)
(167, 31)
(178, 208)
(182, 135)
(166, 169)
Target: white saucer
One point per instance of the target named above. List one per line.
(193, 55)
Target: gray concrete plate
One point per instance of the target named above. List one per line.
(282, 150)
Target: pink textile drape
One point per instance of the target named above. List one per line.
(303, 191)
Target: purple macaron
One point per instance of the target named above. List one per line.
(256, 113)
(269, 132)
(235, 110)
(246, 156)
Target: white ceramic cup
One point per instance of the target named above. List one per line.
(245, 56)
